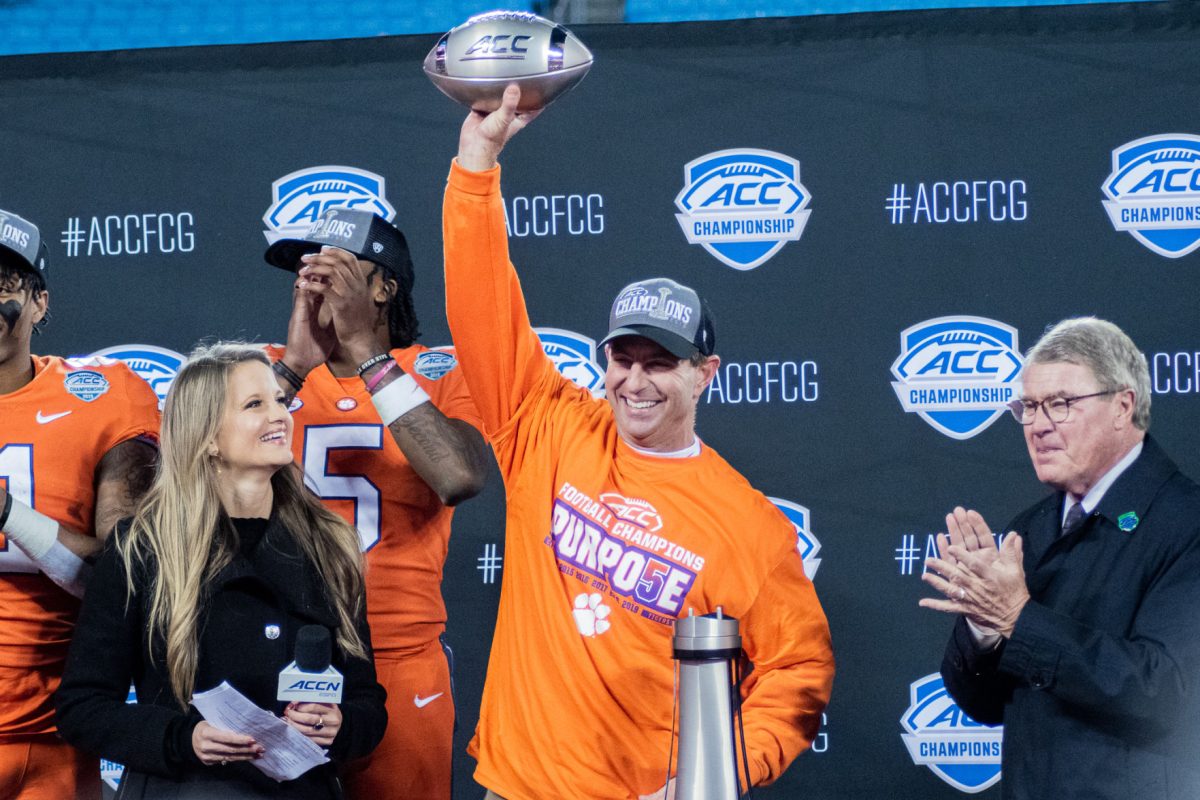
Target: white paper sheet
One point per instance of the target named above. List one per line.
(289, 753)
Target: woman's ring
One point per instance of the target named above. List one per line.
(320, 722)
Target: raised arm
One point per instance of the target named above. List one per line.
(498, 351)
(448, 454)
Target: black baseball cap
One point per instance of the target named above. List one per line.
(368, 236)
(21, 243)
(665, 312)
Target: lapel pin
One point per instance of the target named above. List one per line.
(1128, 521)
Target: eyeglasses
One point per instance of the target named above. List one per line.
(1057, 408)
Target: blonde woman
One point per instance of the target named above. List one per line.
(225, 559)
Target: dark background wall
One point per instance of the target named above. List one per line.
(879, 110)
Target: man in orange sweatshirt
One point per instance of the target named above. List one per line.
(620, 520)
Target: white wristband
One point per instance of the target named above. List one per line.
(398, 398)
(65, 568)
(30, 530)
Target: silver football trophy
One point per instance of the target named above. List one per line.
(474, 62)
(706, 647)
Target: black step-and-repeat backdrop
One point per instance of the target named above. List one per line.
(884, 210)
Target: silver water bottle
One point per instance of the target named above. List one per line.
(705, 648)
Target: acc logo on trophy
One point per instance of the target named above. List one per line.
(299, 199)
(807, 545)
(742, 206)
(939, 735)
(957, 373)
(574, 355)
(157, 366)
(1154, 192)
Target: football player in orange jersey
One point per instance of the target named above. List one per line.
(353, 311)
(76, 452)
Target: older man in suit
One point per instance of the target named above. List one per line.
(1081, 631)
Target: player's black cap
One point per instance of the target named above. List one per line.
(368, 236)
(21, 243)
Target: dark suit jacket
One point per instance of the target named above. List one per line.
(1098, 686)
(247, 634)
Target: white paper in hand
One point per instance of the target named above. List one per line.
(289, 753)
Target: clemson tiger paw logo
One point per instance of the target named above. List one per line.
(591, 614)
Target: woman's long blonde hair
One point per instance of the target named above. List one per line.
(181, 533)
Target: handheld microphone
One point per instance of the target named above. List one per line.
(310, 678)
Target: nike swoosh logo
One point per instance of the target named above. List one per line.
(44, 418)
(421, 702)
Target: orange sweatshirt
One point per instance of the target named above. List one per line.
(605, 548)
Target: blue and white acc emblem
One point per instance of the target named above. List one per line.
(806, 544)
(433, 364)
(574, 355)
(742, 205)
(1154, 192)
(300, 198)
(957, 373)
(85, 384)
(939, 735)
(157, 366)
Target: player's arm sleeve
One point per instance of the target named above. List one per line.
(106, 653)
(1141, 681)
(498, 351)
(786, 636)
(138, 410)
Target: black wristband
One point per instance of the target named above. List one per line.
(372, 361)
(284, 371)
(7, 508)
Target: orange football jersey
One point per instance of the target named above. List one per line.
(358, 470)
(53, 434)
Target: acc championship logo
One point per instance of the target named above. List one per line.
(957, 373)
(575, 357)
(299, 199)
(633, 510)
(433, 364)
(85, 384)
(1154, 192)
(807, 544)
(962, 752)
(742, 205)
(157, 366)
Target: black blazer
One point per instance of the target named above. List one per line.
(1099, 686)
(247, 634)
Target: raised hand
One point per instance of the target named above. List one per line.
(483, 136)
